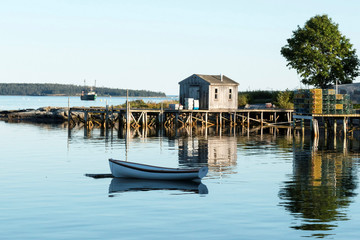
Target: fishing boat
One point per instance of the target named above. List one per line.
(88, 94)
(126, 169)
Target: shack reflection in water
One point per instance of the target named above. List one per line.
(219, 153)
(322, 185)
(119, 185)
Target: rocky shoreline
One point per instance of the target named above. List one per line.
(41, 115)
(55, 115)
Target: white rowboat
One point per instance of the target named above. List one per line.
(136, 170)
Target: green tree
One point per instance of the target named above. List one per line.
(285, 100)
(243, 99)
(320, 54)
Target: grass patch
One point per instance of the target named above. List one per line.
(141, 104)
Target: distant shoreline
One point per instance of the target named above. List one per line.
(52, 89)
(64, 95)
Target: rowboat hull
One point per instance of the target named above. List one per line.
(136, 170)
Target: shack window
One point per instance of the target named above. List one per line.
(230, 93)
(216, 93)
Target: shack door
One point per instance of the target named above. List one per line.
(194, 92)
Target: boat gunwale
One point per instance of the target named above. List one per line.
(160, 170)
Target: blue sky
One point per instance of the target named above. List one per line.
(153, 45)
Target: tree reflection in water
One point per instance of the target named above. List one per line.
(322, 185)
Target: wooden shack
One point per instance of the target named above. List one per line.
(212, 91)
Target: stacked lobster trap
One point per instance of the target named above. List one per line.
(321, 101)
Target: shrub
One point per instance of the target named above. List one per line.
(285, 100)
(243, 100)
(148, 105)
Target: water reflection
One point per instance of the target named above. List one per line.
(322, 185)
(120, 185)
(219, 153)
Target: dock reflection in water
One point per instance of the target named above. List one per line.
(120, 185)
(219, 153)
(321, 187)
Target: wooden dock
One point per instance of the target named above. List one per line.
(110, 117)
(240, 120)
(329, 122)
(152, 120)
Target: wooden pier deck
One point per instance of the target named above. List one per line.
(328, 121)
(126, 118)
(135, 118)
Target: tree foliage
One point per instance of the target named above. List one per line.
(35, 89)
(285, 99)
(257, 96)
(141, 104)
(320, 54)
(243, 99)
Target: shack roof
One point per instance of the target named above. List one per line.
(216, 79)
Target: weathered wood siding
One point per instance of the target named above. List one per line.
(223, 97)
(197, 88)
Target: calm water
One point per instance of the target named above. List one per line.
(25, 102)
(258, 187)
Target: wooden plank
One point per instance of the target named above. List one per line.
(303, 117)
(207, 122)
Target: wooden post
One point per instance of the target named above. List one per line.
(294, 125)
(220, 119)
(289, 115)
(206, 119)
(176, 119)
(69, 112)
(143, 119)
(235, 119)
(69, 118)
(161, 116)
(262, 118)
(335, 126)
(248, 120)
(191, 120)
(315, 127)
(127, 110)
(86, 119)
(206, 131)
(146, 120)
(345, 126)
(325, 127)
(325, 130)
(106, 115)
(275, 117)
(121, 120)
(302, 127)
(234, 124)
